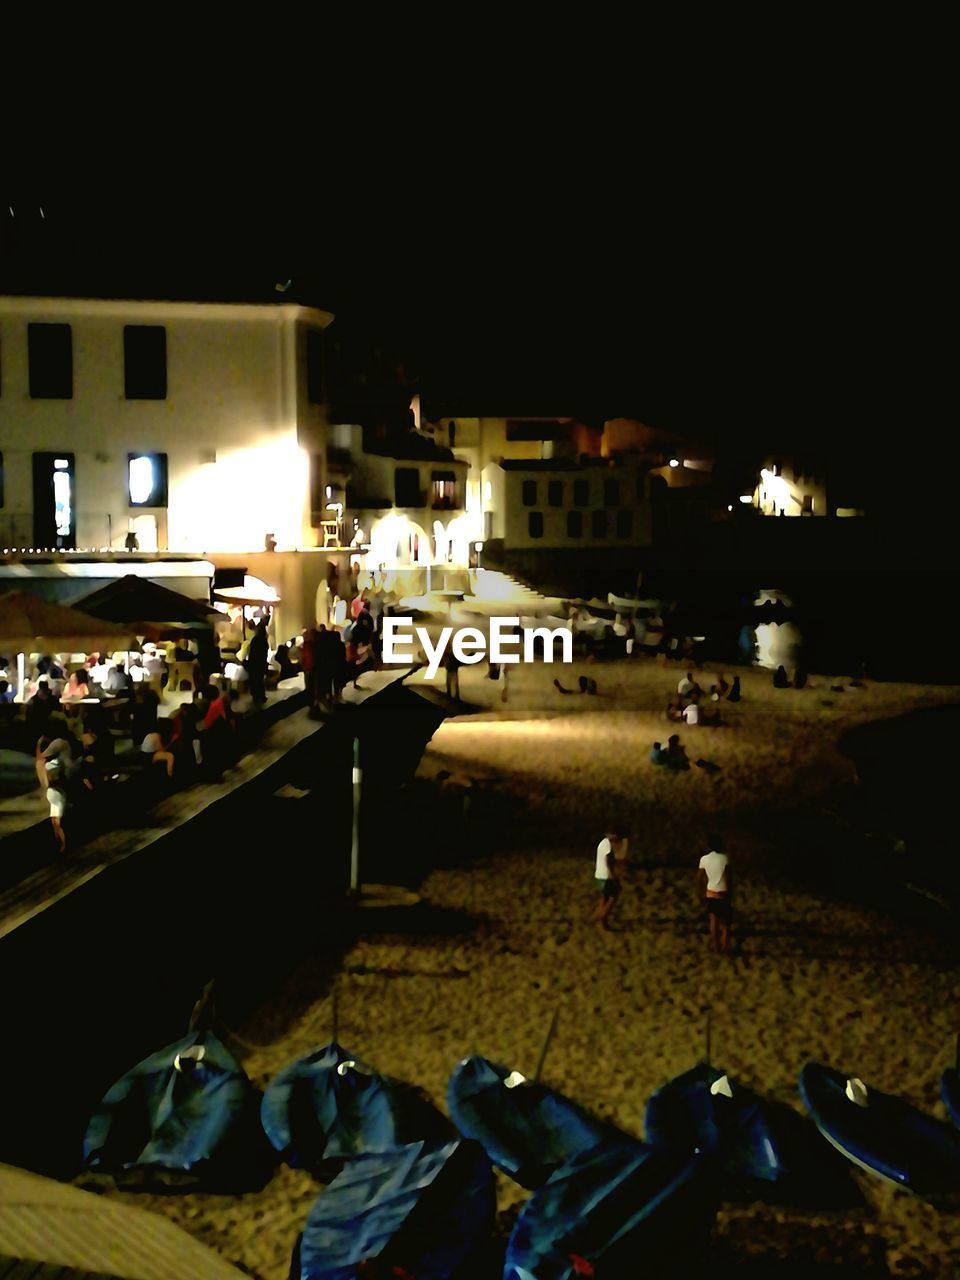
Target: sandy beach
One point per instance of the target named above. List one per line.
(504, 936)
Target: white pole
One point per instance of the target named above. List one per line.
(21, 677)
(355, 846)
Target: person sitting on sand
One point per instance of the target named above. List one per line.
(780, 678)
(713, 876)
(720, 689)
(658, 754)
(675, 709)
(691, 712)
(686, 685)
(675, 755)
(607, 875)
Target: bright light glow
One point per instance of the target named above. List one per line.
(487, 490)
(141, 480)
(60, 464)
(674, 462)
(775, 492)
(229, 505)
(329, 491)
(729, 506)
(746, 499)
(478, 546)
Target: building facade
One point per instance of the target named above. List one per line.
(194, 427)
(564, 503)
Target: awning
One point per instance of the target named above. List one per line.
(253, 592)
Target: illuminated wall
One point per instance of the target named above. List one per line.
(236, 426)
(783, 490)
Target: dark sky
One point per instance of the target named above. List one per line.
(796, 315)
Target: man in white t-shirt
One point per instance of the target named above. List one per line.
(686, 685)
(611, 851)
(691, 712)
(714, 879)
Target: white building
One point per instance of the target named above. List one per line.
(562, 503)
(407, 503)
(193, 425)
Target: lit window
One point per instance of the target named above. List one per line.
(61, 464)
(62, 501)
(147, 479)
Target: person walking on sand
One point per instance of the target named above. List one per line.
(713, 877)
(607, 875)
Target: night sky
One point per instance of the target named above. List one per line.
(785, 316)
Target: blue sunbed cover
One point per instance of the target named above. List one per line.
(740, 1131)
(328, 1106)
(950, 1092)
(175, 1110)
(887, 1136)
(603, 1211)
(420, 1208)
(528, 1129)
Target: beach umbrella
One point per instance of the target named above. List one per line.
(29, 624)
(148, 608)
(56, 1230)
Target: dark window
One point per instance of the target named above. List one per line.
(406, 485)
(1, 479)
(581, 493)
(598, 523)
(50, 351)
(624, 523)
(529, 493)
(144, 362)
(574, 524)
(452, 433)
(555, 493)
(535, 524)
(315, 366)
(611, 492)
(147, 479)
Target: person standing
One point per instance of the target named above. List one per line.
(257, 662)
(607, 876)
(713, 877)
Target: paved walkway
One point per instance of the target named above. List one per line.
(30, 897)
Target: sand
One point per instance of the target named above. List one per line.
(811, 977)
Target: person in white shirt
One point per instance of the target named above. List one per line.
(610, 851)
(691, 713)
(686, 685)
(713, 876)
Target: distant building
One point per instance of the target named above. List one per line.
(789, 488)
(565, 502)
